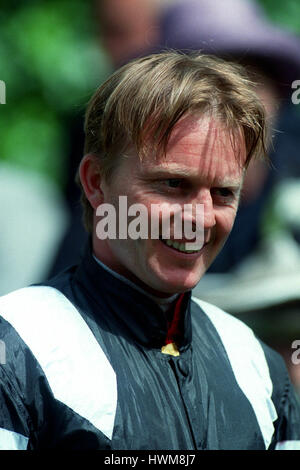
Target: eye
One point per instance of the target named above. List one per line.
(223, 192)
(225, 195)
(173, 182)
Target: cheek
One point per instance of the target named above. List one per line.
(225, 221)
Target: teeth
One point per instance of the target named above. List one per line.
(178, 246)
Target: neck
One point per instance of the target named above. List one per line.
(166, 300)
(104, 255)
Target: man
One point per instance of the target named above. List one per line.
(114, 353)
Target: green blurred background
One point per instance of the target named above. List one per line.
(50, 61)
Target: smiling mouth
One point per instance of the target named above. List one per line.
(181, 247)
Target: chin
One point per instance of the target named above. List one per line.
(177, 286)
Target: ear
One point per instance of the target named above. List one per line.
(90, 177)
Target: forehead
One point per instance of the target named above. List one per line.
(203, 146)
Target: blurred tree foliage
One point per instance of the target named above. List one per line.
(50, 62)
(285, 13)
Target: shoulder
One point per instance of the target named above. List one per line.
(283, 389)
(35, 308)
(44, 323)
(28, 319)
(236, 335)
(44, 317)
(239, 341)
(244, 347)
(239, 338)
(248, 361)
(228, 326)
(43, 320)
(30, 302)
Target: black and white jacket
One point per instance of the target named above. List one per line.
(82, 368)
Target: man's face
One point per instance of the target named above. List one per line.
(200, 167)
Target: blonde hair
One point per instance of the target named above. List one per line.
(143, 100)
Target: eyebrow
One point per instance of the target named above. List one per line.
(180, 172)
(166, 171)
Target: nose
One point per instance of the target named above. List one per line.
(203, 201)
(209, 211)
